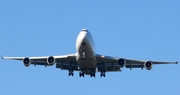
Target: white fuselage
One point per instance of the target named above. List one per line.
(85, 52)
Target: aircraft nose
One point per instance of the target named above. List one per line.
(84, 30)
(84, 35)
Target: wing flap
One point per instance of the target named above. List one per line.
(68, 66)
(134, 66)
(108, 67)
(38, 62)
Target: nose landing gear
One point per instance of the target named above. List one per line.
(83, 55)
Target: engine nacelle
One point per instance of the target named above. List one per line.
(51, 60)
(148, 65)
(121, 62)
(26, 62)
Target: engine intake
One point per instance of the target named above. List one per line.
(50, 60)
(121, 62)
(148, 65)
(26, 62)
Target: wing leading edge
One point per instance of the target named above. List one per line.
(116, 62)
(61, 61)
(104, 63)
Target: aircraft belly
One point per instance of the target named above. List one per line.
(87, 66)
(86, 59)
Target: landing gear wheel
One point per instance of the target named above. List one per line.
(81, 74)
(71, 73)
(103, 75)
(92, 74)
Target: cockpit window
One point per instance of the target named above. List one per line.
(85, 30)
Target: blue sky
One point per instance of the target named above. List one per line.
(140, 29)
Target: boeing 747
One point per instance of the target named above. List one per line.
(86, 60)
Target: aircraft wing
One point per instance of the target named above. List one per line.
(111, 63)
(64, 62)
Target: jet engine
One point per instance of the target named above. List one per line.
(26, 62)
(50, 60)
(148, 65)
(121, 62)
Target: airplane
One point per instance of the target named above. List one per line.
(86, 61)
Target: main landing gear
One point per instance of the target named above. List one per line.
(102, 74)
(71, 73)
(81, 74)
(92, 74)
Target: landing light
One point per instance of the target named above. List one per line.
(102, 56)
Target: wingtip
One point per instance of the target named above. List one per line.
(176, 62)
